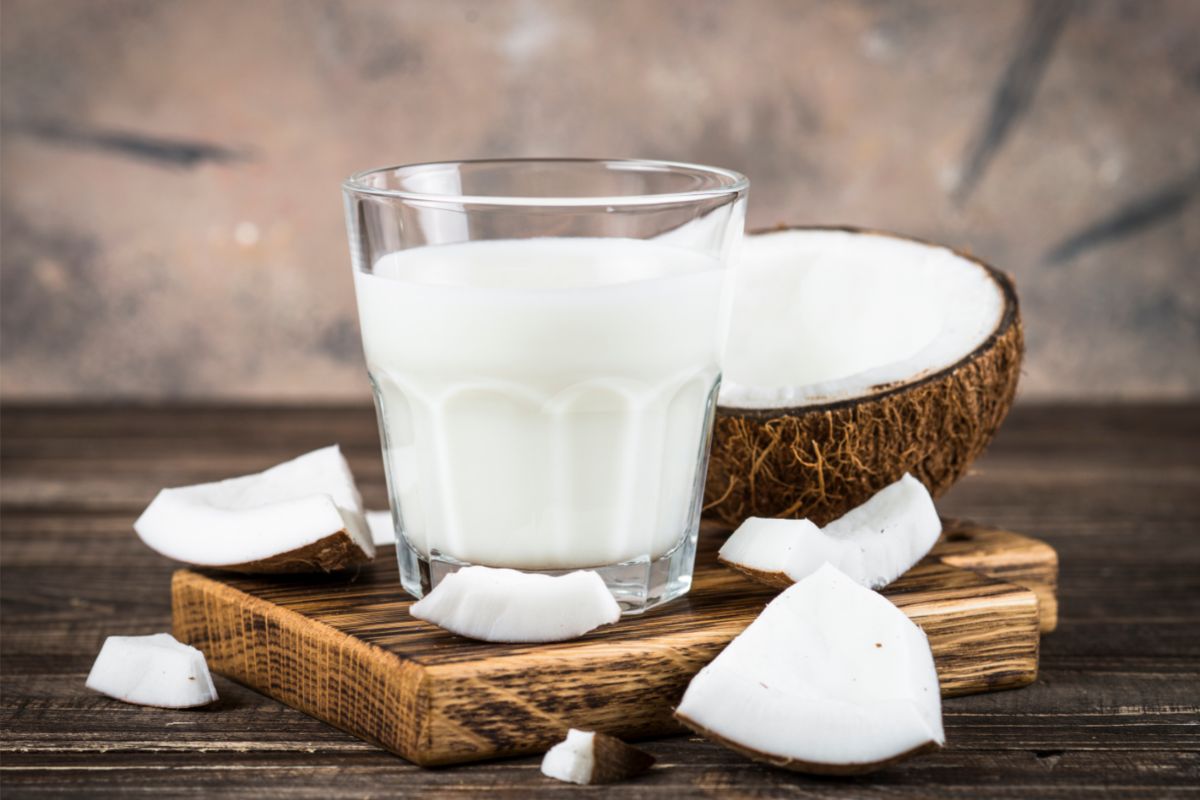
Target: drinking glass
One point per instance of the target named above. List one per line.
(544, 341)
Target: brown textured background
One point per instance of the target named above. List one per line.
(172, 219)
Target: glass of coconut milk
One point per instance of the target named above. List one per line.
(544, 340)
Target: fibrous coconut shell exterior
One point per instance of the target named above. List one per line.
(819, 461)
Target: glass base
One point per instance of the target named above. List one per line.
(638, 585)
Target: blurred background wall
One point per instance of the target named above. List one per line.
(171, 216)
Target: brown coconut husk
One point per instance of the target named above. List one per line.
(821, 460)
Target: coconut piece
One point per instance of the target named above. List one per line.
(505, 605)
(831, 678)
(854, 357)
(152, 670)
(304, 515)
(379, 523)
(874, 543)
(585, 757)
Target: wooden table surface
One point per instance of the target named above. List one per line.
(1117, 706)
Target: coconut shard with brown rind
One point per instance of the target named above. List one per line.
(590, 758)
(820, 459)
(304, 515)
(831, 678)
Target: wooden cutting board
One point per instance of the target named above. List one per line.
(345, 650)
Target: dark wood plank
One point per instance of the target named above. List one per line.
(683, 766)
(1115, 489)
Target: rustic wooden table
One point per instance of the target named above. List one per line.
(1117, 707)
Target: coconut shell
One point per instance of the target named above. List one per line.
(330, 553)
(818, 461)
(614, 760)
(799, 765)
(779, 580)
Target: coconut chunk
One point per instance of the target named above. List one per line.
(585, 757)
(152, 670)
(831, 678)
(505, 605)
(379, 523)
(304, 515)
(874, 543)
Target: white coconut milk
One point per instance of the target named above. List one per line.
(543, 401)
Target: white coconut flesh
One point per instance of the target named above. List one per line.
(258, 517)
(505, 605)
(830, 678)
(379, 523)
(152, 670)
(572, 759)
(828, 315)
(585, 757)
(873, 544)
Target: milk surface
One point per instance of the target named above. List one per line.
(544, 401)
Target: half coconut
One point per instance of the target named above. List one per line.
(854, 357)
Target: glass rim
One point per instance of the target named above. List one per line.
(728, 183)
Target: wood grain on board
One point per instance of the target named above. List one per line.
(344, 649)
(1001, 555)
